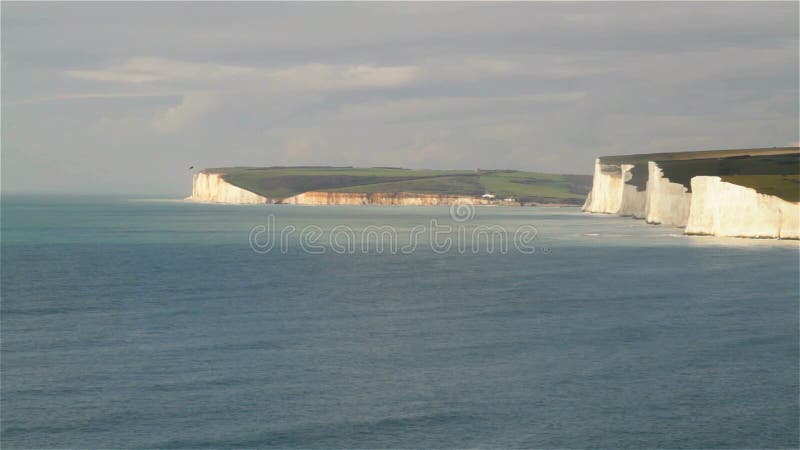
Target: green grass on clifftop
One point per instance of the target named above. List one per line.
(642, 158)
(282, 182)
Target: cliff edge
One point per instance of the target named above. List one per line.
(741, 193)
(212, 188)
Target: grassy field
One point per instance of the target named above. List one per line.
(526, 187)
(704, 154)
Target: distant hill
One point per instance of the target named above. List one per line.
(524, 187)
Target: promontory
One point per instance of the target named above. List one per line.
(385, 186)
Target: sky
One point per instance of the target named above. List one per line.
(124, 97)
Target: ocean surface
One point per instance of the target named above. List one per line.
(130, 322)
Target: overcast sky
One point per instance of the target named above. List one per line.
(124, 97)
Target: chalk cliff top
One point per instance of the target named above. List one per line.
(284, 182)
(703, 154)
(773, 171)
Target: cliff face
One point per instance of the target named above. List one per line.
(634, 201)
(710, 207)
(606, 194)
(667, 202)
(379, 198)
(212, 188)
(725, 209)
(612, 194)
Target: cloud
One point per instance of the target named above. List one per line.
(147, 70)
(192, 107)
(518, 64)
(315, 76)
(90, 96)
(114, 75)
(477, 65)
(541, 86)
(422, 108)
(429, 153)
(299, 148)
(326, 77)
(329, 77)
(506, 131)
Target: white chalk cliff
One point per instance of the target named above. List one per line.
(212, 188)
(606, 194)
(380, 198)
(634, 201)
(726, 209)
(611, 194)
(667, 202)
(713, 207)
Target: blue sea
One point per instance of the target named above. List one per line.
(134, 322)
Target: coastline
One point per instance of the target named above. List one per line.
(747, 195)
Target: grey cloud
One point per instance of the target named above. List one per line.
(536, 86)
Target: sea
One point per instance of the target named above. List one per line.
(131, 322)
